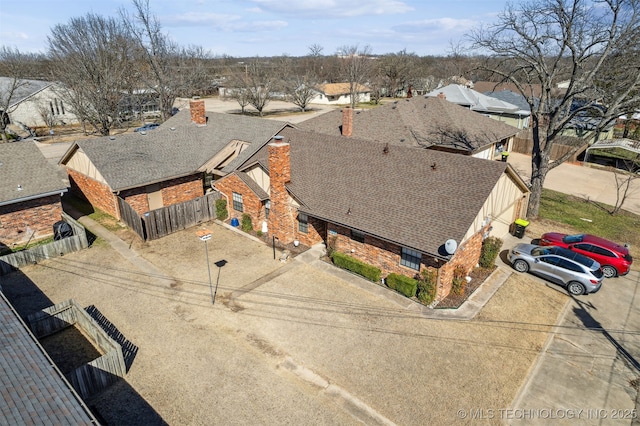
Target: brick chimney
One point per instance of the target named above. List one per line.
(198, 115)
(281, 221)
(442, 96)
(347, 121)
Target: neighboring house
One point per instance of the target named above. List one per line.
(486, 105)
(31, 100)
(30, 194)
(431, 123)
(169, 165)
(34, 390)
(339, 94)
(390, 206)
(533, 90)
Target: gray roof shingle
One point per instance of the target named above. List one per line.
(417, 198)
(32, 390)
(176, 148)
(25, 89)
(23, 166)
(416, 122)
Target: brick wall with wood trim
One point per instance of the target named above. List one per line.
(97, 194)
(376, 252)
(173, 191)
(251, 204)
(467, 256)
(18, 221)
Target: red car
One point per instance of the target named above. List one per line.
(614, 258)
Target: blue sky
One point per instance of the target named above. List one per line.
(270, 27)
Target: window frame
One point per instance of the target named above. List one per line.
(238, 204)
(357, 236)
(303, 223)
(410, 258)
(267, 208)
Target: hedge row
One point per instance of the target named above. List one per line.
(402, 284)
(354, 265)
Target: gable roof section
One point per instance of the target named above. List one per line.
(476, 101)
(23, 166)
(511, 97)
(176, 148)
(335, 89)
(26, 89)
(33, 389)
(417, 122)
(398, 196)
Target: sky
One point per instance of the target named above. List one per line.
(246, 28)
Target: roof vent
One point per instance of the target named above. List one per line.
(19, 187)
(172, 128)
(143, 133)
(278, 138)
(434, 166)
(386, 148)
(112, 138)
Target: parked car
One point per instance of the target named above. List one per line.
(148, 126)
(578, 273)
(614, 258)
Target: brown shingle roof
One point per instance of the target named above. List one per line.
(397, 196)
(418, 122)
(335, 89)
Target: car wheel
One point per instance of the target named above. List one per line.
(575, 288)
(609, 271)
(521, 266)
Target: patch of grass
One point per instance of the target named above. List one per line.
(621, 227)
(7, 250)
(106, 220)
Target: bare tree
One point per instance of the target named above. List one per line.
(545, 42)
(355, 66)
(396, 71)
(299, 85)
(14, 67)
(91, 57)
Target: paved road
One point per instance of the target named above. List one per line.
(582, 181)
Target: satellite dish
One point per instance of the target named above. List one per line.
(450, 246)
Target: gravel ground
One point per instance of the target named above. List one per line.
(305, 347)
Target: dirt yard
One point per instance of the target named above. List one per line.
(303, 347)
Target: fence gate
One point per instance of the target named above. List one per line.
(131, 218)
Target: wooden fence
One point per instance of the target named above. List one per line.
(161, 222)
(76, 242)
(96, 375)
(525, 146)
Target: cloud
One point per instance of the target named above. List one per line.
(334, 8)
(436, 25)
(222, 22)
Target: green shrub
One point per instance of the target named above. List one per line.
(402, 284)
(354, 265)
(489, 252)
(259, 234)
(459, 283)
(221, 209)
(247, 226)
(427, 286)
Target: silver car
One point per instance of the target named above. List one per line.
(578, 273)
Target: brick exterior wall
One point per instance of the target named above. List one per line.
(282, 218)
(97, 194)
(467, 257)
(100, 195)
(18, 221)
(198, 113)
(250, 202)
(174, 191)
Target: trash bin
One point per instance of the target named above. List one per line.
(519, 227)
(234, 222)
(62, 230)
(504, 155)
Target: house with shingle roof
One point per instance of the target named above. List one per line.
(30, 194)
(425, 122)
(494, 108)
(165, 166)
(29, 99)
(339, 94)
(393, 206)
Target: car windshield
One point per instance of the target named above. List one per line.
(570, 239)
